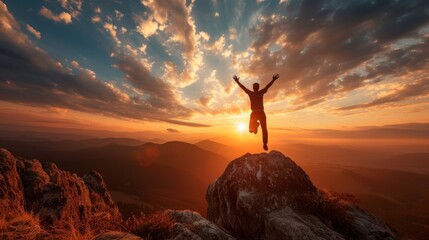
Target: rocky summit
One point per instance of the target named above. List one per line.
(268, 196)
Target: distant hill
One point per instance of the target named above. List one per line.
(40, 149)
(416, 162)
(173, 174)
(219, 148)
(311, 154)
(24, 135)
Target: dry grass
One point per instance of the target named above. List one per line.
(343, 199)
(27, 226)
(23, 226)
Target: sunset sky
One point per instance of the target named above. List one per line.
(167, 65)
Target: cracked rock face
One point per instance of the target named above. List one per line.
(11, 193)
(268, 196)
(53, 194)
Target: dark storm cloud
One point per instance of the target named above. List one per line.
(28, 75)
(322, 43)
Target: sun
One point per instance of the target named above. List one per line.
(241, 127)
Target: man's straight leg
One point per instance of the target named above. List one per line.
(263, 121)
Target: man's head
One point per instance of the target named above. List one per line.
(255, 87)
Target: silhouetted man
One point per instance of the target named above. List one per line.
(257, 105)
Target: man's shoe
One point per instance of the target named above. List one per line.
(265, 147)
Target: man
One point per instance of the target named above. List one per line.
(257, 105)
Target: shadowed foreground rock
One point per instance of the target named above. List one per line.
(191, 225)
(186, 225)
(267, 196)
(52, 194)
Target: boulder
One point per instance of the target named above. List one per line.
(268, 196)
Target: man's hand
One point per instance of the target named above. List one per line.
(236, 78)
(276, 76)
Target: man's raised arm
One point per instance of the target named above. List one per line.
(236, 79)
(275, 77)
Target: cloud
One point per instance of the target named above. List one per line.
(147, 27)
(393, 131)
(218, 46)
(82, 70)
(217, 99)
(34, 31)
(232, 33)
(31, 77)
(143, 48)
(74, 7)
(174, 18)
(173, 130)
(204, 101)
(111, 29)
(204, 36)
(325, 50)
(418, 88)
(160, 94)
(119, 15)
(64, 17)
(73, 10)
(96, 19)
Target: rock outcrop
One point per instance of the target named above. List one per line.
(53, 195)
(192, 226)
(11, 194)
(268, 196)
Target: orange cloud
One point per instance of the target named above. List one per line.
(61, 17)
(33, 31)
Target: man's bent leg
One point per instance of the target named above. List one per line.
(253, 123)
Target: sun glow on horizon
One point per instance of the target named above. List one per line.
(241, 127)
